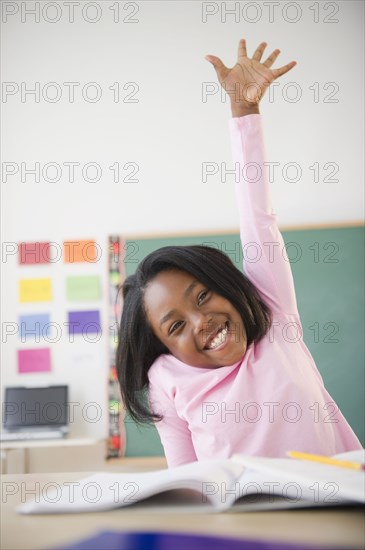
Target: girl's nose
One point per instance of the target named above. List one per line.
(202, 324)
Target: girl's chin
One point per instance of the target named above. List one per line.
(228, 351)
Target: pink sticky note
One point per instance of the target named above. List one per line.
(34, 253)
(34, 360)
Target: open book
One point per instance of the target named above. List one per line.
(240, 483)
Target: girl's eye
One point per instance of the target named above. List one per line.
(201, 298)
(202, 295)
(174, 327)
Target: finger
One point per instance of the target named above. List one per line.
(270, 60)
(284, 69)
(220, 67)
(242, 48)
(259, 51)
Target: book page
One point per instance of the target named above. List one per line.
(352, 456)
(103, 491)
(302, 479)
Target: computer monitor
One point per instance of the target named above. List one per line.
(26, 407)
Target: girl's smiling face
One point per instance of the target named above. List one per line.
(198, 326)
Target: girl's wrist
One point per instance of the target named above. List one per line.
(241, 109)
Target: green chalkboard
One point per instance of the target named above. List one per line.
(328, 271)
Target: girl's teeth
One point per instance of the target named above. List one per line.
(219, 339)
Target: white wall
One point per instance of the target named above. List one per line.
(168, 132)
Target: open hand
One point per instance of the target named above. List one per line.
(248, 80)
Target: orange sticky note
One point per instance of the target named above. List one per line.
(80, 251)
(35, 290)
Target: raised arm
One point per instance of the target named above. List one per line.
(265, 260)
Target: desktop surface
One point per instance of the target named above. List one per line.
(21, 435)
(341, 527)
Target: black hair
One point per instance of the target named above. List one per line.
(138, 347)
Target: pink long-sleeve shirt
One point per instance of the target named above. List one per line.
(273, 399)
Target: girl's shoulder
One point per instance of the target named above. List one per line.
(162, 366)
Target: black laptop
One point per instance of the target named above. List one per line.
(35, 413)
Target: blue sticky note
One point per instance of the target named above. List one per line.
(34, 327)
(84, 322)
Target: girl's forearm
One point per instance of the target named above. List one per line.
(239, 110)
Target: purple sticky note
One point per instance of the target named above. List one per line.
(34, 360)
(84, 322)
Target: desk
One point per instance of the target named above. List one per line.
(52, 455)
(333, 527)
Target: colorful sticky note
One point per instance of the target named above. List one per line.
(83, 288)
(80, 251)
(113, 341)
(34, 253)
(115, 441)
(34, 360)
(114, 406)
(113, 373)
(35, 326)
(35, 290)
(115, 278)
(84, 322)
(115, 247)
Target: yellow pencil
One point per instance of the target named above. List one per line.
(327, 460)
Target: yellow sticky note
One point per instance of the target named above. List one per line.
(35, 290)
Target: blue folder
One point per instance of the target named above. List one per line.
(116, 540)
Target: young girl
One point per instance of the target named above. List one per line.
(217, 350)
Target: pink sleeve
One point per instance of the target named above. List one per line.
(265, 261)
(173, 431)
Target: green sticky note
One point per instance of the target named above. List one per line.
(82, 288)
(115, 278)
(114, 406)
